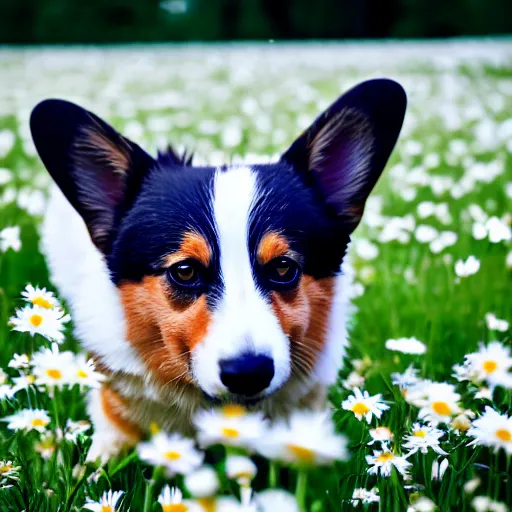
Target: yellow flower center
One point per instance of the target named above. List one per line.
(154, 428)
(172, 455)
(208, 504)
(233, 411)
(419, 433)
(81, 374)
(384, 457)
(38, 422)
(175, 507)
(490, 366)
(504, 435)
(441, 408)
(302, 454)
(107, 508)
(36, 320)
(54, 374)
(42, 302)
(230, 433)
(360, 408)
(5, 469)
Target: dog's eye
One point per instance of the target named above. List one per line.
(185, 273)
(282, 272)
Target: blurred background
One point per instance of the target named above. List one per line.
(115, 21)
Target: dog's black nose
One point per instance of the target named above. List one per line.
(247, 374)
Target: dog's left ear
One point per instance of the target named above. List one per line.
(343, 153)
(97, 169)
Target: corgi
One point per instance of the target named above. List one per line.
(198, 285)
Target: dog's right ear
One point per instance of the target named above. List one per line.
(97, 169)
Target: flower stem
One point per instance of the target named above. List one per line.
(150, 485)
(300, 490)
(55, 405)
(273, 475)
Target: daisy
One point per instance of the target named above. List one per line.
(381, 434)
(240, 468)
(422, 438)
(307, 438)
(484, 394)
(461, 423)
(382, 463)
(10, 239)
(439, 469)
(495, 324)
(84, 372)
(22, 382)
(75, 428)
(46, 446)
(354, 380)
(364, 406)
(417, 393)
(467, 268)
(40, 297)
(37, 320)
(6, 391)
(276, 500)
(485, 504)
(492, 363)
(107, 503)
(19, 362)
(52, 368)
(405, 380)
(406, 346)
(439, 404)
(498, 230)
(231, 425)
(422, 504)
(472, 485)
(176, 453)
(365, 497)
(492, 429)
(202, 483)
(28, 419)
(8, 471)
(171, 500)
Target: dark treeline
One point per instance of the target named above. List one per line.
(110, 21)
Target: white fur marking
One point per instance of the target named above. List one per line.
(80, 273)
(243, 320)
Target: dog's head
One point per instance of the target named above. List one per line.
(226, 275)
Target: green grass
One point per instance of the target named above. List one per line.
(269, 96)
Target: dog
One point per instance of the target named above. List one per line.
(194, 285)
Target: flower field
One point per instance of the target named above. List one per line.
(421, 416)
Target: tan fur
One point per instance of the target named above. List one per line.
(162, 327)
(303, 314)
(193, 246)
(116, 411)
(115, 154)
(272, 246)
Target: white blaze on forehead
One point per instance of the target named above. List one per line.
(243, 321)
(234, 194)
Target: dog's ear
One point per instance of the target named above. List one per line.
(344, 151)
(96, 168)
